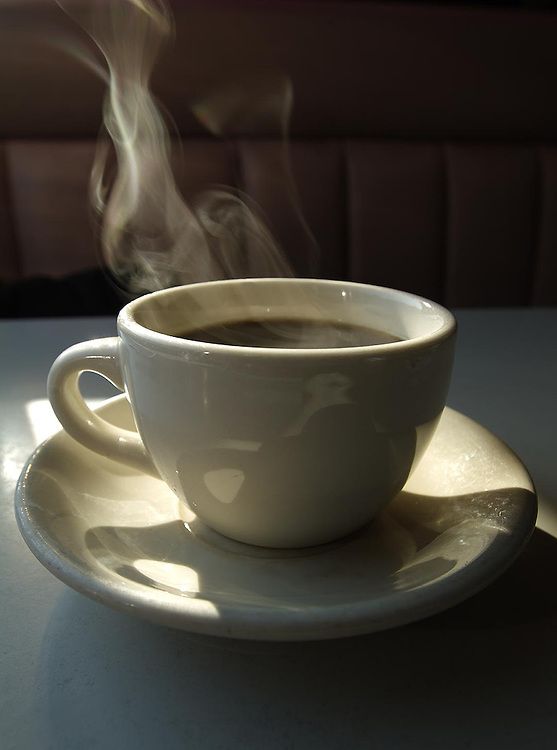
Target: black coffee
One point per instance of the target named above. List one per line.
(290, 333)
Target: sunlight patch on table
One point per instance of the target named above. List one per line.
(42, 420)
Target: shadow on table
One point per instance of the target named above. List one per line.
(483, 668)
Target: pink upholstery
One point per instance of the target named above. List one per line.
(423, 141)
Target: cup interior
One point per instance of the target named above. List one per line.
(172, 312)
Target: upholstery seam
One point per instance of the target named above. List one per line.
(6, 175)
(348, 256)
(538, 214)
(445, 255)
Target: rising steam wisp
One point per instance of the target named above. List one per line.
(151, 238)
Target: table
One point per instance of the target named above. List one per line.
(75, 674)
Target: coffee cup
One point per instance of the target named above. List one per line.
(283, 412)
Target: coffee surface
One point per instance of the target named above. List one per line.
(289, 333)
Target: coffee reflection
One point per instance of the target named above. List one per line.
(295, 333)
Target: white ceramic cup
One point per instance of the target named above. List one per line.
(270, 446)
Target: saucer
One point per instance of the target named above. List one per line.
(123, 539)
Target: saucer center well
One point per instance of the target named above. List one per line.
(199, 531)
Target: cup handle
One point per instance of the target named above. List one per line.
(101, 356)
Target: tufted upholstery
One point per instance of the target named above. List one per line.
(424, 141)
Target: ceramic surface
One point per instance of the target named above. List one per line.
(121, 537)
(279, 447)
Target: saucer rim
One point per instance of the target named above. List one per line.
(327, 621)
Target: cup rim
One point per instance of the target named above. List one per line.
(173, 345)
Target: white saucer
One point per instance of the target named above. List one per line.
(123, 539)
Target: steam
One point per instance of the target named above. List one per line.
(151, 238)
(262, 104)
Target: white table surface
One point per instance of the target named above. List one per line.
(75, 674)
